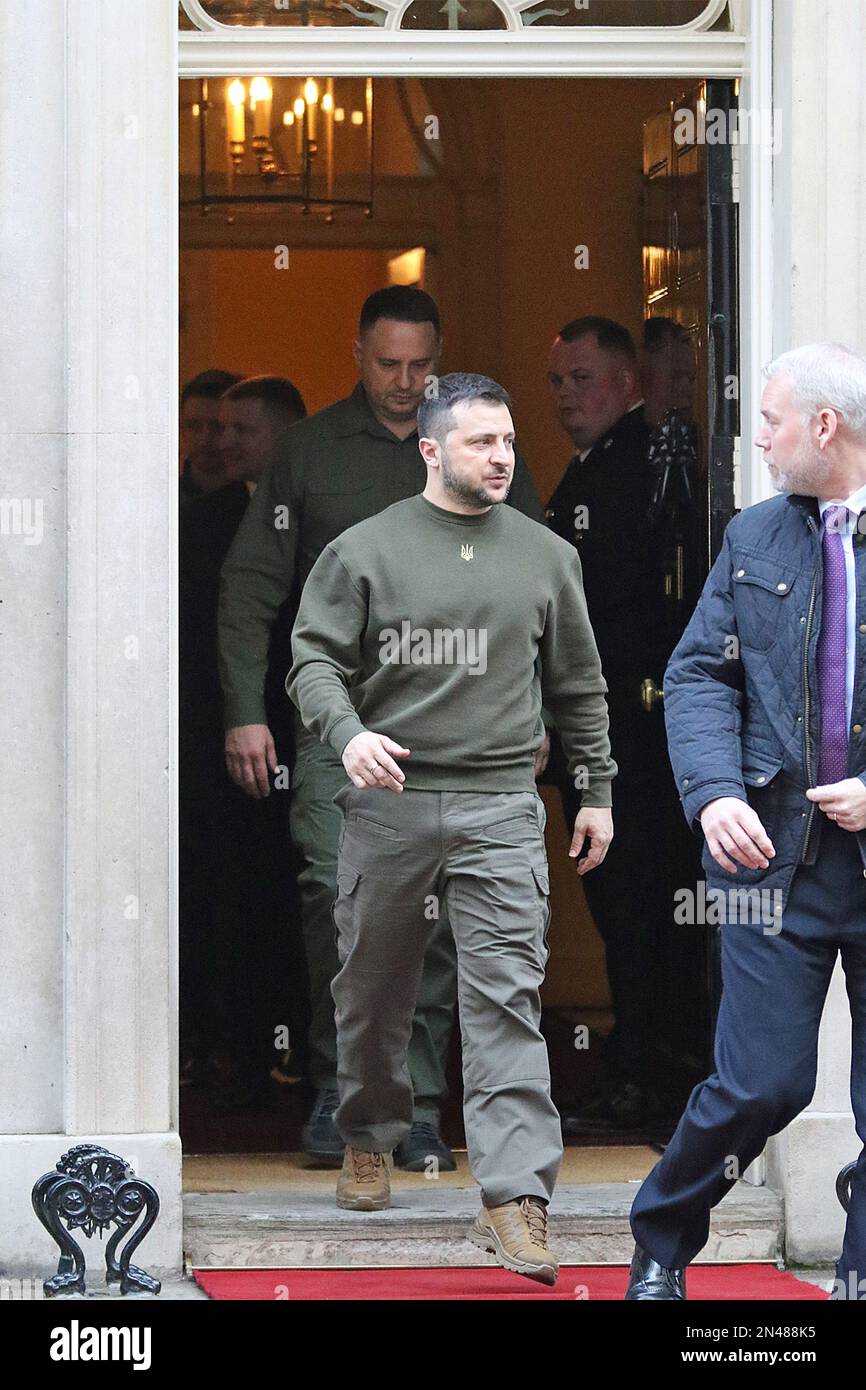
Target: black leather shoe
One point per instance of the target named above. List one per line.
(321, 1138)
(424, 1151)
(649, 1280)
(626, 1110)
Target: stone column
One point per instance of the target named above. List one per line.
(88, 378)
(819, 294)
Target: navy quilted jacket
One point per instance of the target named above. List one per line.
(741, 690)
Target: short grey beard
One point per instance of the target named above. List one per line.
(475, 496)
(807, 472)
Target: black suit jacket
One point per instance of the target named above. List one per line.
(601, 507)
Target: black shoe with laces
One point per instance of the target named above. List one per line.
(321, 1138)
(650, 1282)
(424, 1151)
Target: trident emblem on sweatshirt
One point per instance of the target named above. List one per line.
(466, 552)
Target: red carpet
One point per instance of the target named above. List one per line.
(606, 1282)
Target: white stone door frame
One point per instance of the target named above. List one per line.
(688, 53)
(802, 278)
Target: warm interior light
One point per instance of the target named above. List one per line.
(288, 118)
(195, 108)
(260, 89)
(357, 118)
(327, 102)
(311, 92)
(236, 96)
(261, 94)
(339, 114)
(299, 107)
(408, 268)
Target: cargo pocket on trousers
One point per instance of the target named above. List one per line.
(542, 882)
(344, 909)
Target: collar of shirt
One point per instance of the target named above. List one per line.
(357, 418)
(585, 453)
(855, 504)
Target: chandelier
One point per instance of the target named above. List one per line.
(303, 142)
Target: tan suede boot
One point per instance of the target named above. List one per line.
(365, 1181)
(516, 1233)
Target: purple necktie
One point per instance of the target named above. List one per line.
(833, 762)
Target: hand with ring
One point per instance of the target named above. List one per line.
(369, 760)
(843, 802)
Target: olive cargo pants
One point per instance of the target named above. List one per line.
(315, 828)
(482, 855)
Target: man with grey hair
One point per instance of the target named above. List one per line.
(765, 706)
(425, 637)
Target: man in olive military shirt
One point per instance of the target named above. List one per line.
(339, 467)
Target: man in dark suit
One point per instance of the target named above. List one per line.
(203, 464)
(601, 507)
(765, 705)
(243, 970)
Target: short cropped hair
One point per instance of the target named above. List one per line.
(826, 375)
(280, 396)
(436, 414)
(610, 336)
(404, 303)
(209, 385)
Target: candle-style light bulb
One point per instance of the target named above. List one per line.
(236, 96)
(261, 96)
(299, 109)
(311, 95)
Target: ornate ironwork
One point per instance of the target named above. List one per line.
(457, 15)
(91, 1190)
(673, 459)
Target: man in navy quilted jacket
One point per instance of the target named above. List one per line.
(765, 707)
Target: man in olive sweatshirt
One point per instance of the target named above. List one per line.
(426, 635)
(330, 471)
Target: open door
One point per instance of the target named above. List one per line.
(690, 278)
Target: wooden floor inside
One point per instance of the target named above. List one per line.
(281, 1172)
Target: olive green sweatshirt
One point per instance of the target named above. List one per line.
(434, 628)
(329, 472)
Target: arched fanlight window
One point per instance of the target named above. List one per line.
(462, 16)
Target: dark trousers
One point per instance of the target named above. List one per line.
(242, 968)
(766, 1056)
(626, 917)
(629, 894)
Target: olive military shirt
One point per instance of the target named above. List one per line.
(328, 472)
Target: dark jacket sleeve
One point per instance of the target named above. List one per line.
(257, 577)
(523, 495)
(703, 698)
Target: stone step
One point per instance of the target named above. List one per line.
(300, 1228)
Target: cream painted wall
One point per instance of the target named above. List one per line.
(239, 313)
(570, 155)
